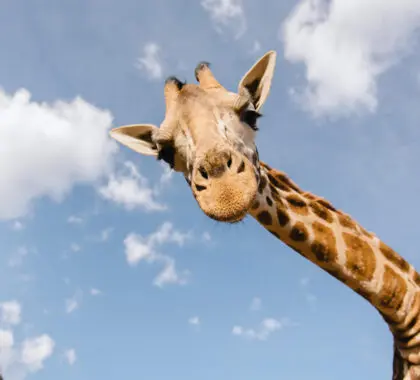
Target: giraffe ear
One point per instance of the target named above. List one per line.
(138, 137)
(256, 82)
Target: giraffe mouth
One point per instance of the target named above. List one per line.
(227, 202)
(231, 219)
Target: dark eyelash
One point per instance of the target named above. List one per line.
(250, 117)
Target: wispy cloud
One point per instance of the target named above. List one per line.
(195, 321)
(73, 219)
(95, 292)
(18, 226)
(17, 257)
(345, 53)
(227, 15)
(256, 304)
(10, 312)
(73, 303)
(106, 233)
(150, 62)
(309, 296)
(64, 144)
(206, 236)
(131, 190)
(70, 356)
(75, 247)
(266, 328)
(145, 248)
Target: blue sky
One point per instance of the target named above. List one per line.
(108, 267)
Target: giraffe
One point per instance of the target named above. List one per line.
(208, 135)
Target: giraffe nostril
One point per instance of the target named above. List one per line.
(241, 167)
(200, 188)
(203, 173)
(229, 163)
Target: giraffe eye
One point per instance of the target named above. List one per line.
(250, 117)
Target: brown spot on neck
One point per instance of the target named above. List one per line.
(394, 257)
(321, 211)
(297, 204)
(360, 258)
(265, 218)
(392, 293)
(299, 233)
(324, 246)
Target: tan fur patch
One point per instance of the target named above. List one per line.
(321, 211)
(299, 232)
(394, 257)
(325, 245)
(394, 289)
(297, 204)
(361, 260)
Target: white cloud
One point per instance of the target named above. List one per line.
(131, 190)
(10, 312)
(36, 350)
(195, 321)
(95, 292)
(16, 259)
(45, 149)
(226, 14)
(169, 273)
(72, 219)
(18, 360)
(6, 339)
(256, 304)
(267, 327)
(70, 356)
(345, 45)
(139, 248)
(150, 62)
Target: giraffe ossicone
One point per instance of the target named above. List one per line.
(208, 135)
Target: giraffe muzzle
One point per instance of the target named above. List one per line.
(224, 185)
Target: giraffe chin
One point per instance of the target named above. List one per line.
(229, 203)
(232, 219)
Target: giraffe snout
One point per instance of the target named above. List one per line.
(224, 185)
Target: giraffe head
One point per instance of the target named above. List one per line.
(208, 135)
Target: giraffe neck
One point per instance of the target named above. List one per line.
(336, 243)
